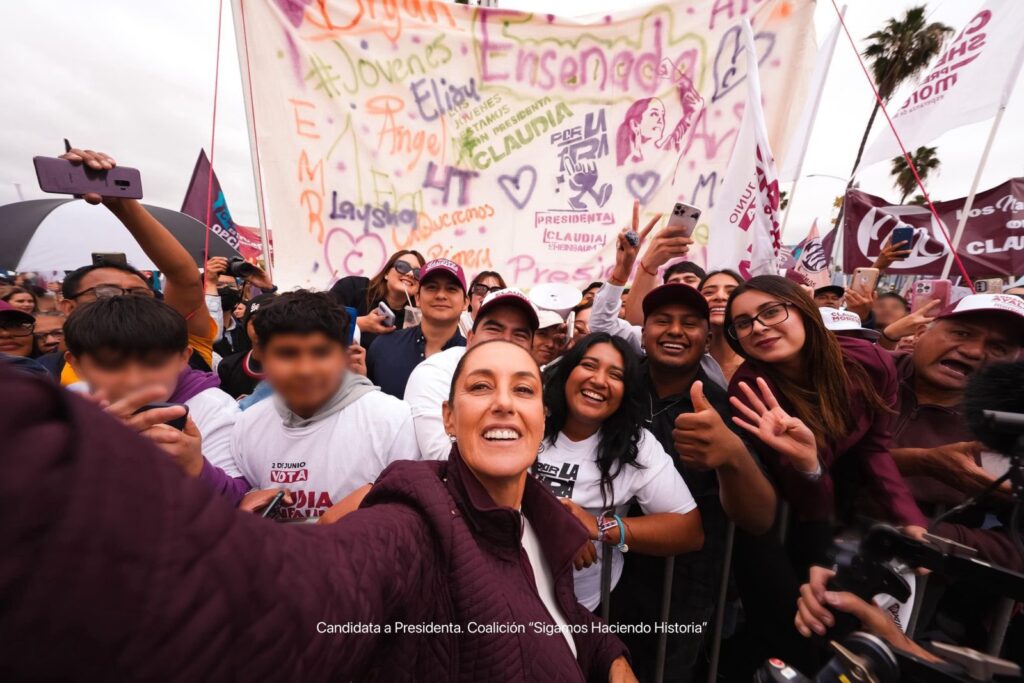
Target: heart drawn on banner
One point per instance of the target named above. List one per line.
(726, 71)
(642, 185)
(346, 255)
(519, 187)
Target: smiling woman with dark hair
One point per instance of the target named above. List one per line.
(597, 458)
(449, 570)
(396, 285)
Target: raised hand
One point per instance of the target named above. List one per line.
(776, 428)
(891, 253)
(909, 324)
(97, 161)
(626, 253)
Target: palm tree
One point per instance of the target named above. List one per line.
(899, 52)
(925, 161)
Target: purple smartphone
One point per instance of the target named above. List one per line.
(63, 177)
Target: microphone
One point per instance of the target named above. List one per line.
(994, 405)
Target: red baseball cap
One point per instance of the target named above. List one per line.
(443, 265)
(510, 297)
(675, 293)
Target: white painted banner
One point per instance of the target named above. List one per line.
(502, 140)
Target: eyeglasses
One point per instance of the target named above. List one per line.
(769, 317)
(41, 336)
(403, 268)
(483, 290)
(110, 291)
(9, 329)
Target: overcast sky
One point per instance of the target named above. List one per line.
(135, 79)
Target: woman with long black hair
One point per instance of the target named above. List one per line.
(396, 286)
(597, 457)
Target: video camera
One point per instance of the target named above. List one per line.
(865, 569)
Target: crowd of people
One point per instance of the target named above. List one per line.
(469, 458)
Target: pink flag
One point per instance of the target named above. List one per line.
(245, 239)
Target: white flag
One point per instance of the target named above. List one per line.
(745, 217)
(969, 81)
(797, 149)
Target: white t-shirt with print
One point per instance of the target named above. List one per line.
(323, 462)
(569, 468)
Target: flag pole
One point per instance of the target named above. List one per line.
(237, 14)
(814, 118)
(969, 202)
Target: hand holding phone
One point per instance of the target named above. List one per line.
(177, 422)
(864, 281)
(386, 314)
(684, 216)
(89, 175)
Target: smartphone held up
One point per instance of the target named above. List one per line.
(60, 176)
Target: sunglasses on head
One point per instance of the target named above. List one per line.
(403, 268)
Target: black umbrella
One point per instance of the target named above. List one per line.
(62, 234)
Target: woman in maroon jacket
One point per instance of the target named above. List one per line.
(818, 406)
(449, 571)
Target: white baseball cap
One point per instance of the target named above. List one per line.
(548, 318)
(1007, 306)
(846, 323)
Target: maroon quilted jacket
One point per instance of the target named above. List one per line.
(116, 567)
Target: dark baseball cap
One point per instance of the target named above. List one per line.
(830, 289)
(255, 304)
(675, 293)
(11, 313)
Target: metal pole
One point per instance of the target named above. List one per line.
(250, 112)
(789, 205)
(723, 594)
(666, 599)
(1000, 626)
(969, 203)
(606, 580)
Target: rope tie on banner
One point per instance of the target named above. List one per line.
(213, 136)
(255, 139)
(906, 155)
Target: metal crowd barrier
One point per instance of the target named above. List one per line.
(666, 600)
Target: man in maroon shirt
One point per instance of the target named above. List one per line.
(933, 447)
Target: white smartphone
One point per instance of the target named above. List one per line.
(684, 216)
(386, 313)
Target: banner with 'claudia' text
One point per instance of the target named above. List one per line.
(501, 140)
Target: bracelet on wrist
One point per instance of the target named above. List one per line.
(605, 523)
(648, 270)
(621, 546)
